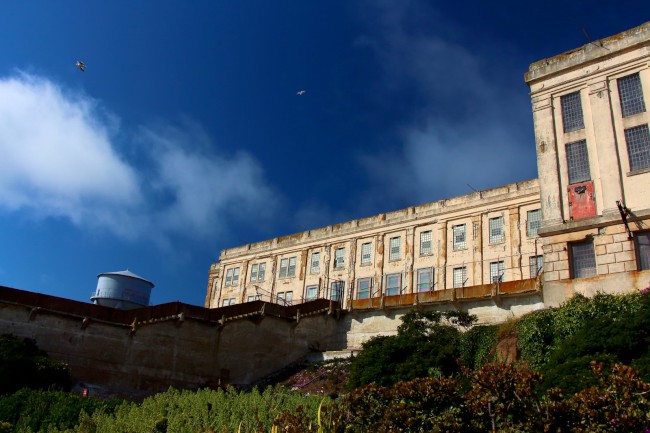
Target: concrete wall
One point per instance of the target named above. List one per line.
(172, 349)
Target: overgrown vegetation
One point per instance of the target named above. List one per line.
(583, 367)
(23, 364)
(423, 347)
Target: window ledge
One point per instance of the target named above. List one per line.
(639, 171)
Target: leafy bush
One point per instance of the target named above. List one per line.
(423, 347)
(478, 346)
(37, 410)
(22, 364)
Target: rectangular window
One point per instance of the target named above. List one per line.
(578, 161)
(460, 277)
(496, 230)
(643, 250)
(254, 270)
(312, 293)
(292, 267)
(339, 258)
(583, 259)
(394, 248)
(393, 284)
(336, 290)
(363, 288)
(365, 253)
(496, 272)
(225, 302)
(424, 282)
(232, 301)
(235, 277)
(536, 265)
(459, 236)
(631, 94)
(283, 268)
(229, 274)
(638, 147)
(425, 243)
(572, 118)
(250, 298)
(261, 272)
(315, 263)
(288, 298)
(533, 222)
(280, 298)
(288, 267)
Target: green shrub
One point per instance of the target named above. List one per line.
(478, 346)
(37, 410)
(22, 364)
(423, 347)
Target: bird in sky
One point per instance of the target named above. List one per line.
(81, 65)
(301, 92)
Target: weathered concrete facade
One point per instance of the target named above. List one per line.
(486, 234)
(593, 153)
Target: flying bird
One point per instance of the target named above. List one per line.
(301, 92)
(81, 65)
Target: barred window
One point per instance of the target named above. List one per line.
(315, 263)
(643, 250)
(536, 265)
(425, 243)
(583, 259)
(393, 283)
(394, 248)
(311, 292)
(631, 95)
(578, 161)
(363, 288)
(339, 258)
(459, 236)
(638, 147)
(366, 253)
(496, 230)
(496, 272)
(424, 281)
(336, 290)
(261, 272)
(254, 270)
(533, 222)
(460, 277)
(572, 118)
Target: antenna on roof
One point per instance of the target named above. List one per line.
(599, 44)
(473, 189)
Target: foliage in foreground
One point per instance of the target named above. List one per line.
(23, 364)
(422, 347)
(503, 398)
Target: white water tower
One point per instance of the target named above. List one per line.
(124, 290)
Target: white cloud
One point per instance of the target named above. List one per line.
(60, 159)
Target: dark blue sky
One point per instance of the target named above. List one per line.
(185, 134)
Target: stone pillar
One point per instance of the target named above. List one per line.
(547, 161)
(609, 179)
(515, 243)
(442, 255)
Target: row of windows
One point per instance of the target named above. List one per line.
(288, 265)
(637, 139)
(582, 256)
